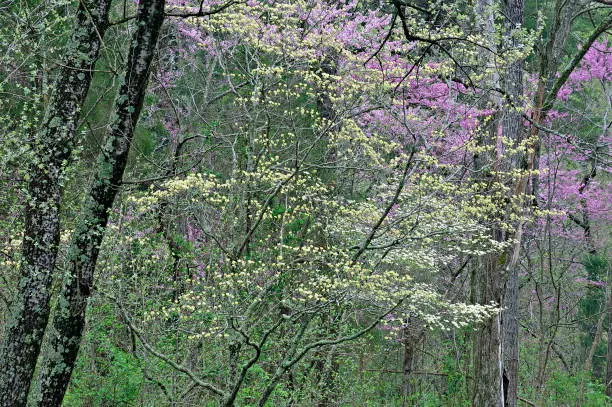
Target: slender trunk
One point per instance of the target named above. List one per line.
(69, 320)
(168, 63)
(408, 366)
(234, 360)
(589, 361)
(564, 12)
(54, 143)
(328, 377)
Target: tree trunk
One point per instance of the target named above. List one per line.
(328, 377)
(588, 364)
(609, 355)
(488, 385)
(69, 319)
(489, 282)
(407, 367)
(510, 339)
(54, 143)
(512, 128)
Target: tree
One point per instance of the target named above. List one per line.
(53, 146)
(320, 202)
(69, 319)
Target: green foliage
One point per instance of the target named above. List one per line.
(563, 390)
(591, 305)
(269, 204)
(106, 374)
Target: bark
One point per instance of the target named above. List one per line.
(407, 368)
(512, 128)
(234, 349)
(69, 319)
(412, 335)
(549, 62)
(489, 276)
(510, 339)
(54, 143)
(609, 355)
(488, 385)
(328, 378)
(588, 364)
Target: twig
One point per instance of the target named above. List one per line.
(163, 357)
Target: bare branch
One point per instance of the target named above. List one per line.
(166, 359)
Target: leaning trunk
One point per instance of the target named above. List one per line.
(588, 364)
(69, 320)
(53, 147)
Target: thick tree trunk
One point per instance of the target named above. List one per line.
(488, 385)
(512, 128)
(609, 356)
(54, 143)
(69, 319)
(510, 339)
(489, 276)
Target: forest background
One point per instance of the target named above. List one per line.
(305, 203)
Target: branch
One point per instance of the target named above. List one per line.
(412, 373)
(529, 403)
(382, 44)
(564, 75)
(245, 368)
(437, 42)
(171, 174)
(163, 357)
(393, 201)
(199, 13)
(298, 166)
(327, 342)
